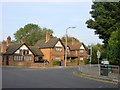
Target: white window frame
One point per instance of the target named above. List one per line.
(81, 58)
(81, 50)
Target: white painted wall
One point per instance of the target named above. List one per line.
(23, 47)
(58, 44)
(82, 47)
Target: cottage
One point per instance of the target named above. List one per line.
(19, 54)
(76, 51)
(52, 48)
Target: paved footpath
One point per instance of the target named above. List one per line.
(57, 77)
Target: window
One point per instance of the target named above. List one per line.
(38, 58)
(18, 58)
(58, 49)
(81, 51)
(24, 52)
(22, 58)
(58, 58)
(81, 58)
(27, 58)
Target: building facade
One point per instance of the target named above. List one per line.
(20, 54)
(52, 48)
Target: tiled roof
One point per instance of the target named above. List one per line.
(75, 46)
(47, 44)
(36, 50)
(13, 47)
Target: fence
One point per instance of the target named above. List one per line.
(110, 71)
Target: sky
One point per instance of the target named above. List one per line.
(57, 16)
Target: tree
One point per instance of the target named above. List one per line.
(69, 39)
(114, 47)
(102, 50)
(32, 33)
(105, 19)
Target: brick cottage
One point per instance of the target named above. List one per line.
(20, 54)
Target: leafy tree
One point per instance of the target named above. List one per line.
(69, 39)
(114, 47)
(105, 19)
(102, 50)
(32, 33)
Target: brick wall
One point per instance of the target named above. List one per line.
(46, 53)
(24, 63)
(75, 63)
(57, 54)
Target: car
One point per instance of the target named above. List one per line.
(104, 61)
(44, 61)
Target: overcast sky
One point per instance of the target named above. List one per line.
(53, 15)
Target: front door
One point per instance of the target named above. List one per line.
(7, 60)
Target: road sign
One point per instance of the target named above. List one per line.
(98, 54)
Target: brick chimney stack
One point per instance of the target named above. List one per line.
(3, 46)
(47, 36)
(23, 40)
(73, 40)
(8, 40)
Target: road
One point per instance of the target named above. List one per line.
(15, 77)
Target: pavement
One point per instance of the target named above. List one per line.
(98, 78)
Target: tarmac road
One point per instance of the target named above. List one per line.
(16, 77)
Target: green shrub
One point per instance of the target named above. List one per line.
(87, 61)
(54, 62)
(72, 60)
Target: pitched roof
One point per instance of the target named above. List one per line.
(13, 47)
(75, 46)
(47, 44)
(36, 50)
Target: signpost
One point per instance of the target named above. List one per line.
(98, 56)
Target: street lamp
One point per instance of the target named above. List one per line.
(66, 45)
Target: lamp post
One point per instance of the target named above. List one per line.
(66, 45)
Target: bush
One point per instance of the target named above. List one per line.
(87, 61)
(72, 60)
(54, 62)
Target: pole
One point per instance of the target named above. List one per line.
(90, 54)
(66, 45)
(66, 48)
(98, 56)
(98, 67)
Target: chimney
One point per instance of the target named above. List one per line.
(23, 40)
(3, 47)
(8, 40)
(47, 36)
(73, 40)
